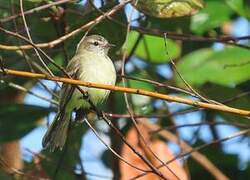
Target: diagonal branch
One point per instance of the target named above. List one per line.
(165, 97)
(72, 33)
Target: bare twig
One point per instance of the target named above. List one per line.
(240, 125)
(53, 43)
(194, 150)
(197, 156)
(148, 163)
(34, 10)
(113, 151)
(21, 88)
(185, 82)
(29, 36)
(129, 109)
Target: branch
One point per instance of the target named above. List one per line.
(72, 33)
(193, 152)
(34, 10)
(198, 104)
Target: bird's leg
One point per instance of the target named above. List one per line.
(86, 97)
(80, 116)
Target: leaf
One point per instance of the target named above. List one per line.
(227, 67)
(152, 48)
(142, 104)
(240, 6)
(168, 8)
(159, 148)
(19, 119)
(214, 92)
(213, 15)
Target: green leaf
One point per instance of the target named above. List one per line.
(214, 92)
(19, 119)
(168, 8)
(213, 15)
(227, 67)
(138, 100)
(152, 48)
(240, 6)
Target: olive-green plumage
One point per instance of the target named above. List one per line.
(90, 64)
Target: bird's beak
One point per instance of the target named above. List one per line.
(109, 45)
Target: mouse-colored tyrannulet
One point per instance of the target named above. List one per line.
(90, 64)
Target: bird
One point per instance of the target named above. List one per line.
(90, 63)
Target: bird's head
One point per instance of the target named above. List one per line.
(94, 43)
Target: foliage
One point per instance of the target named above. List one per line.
(220, 74)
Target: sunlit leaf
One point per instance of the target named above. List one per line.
(240, 6)
(152, 48)
(213, 15)
(226, 67)
(168, 8)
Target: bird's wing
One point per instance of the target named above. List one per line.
(73, 69)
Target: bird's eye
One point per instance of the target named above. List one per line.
(96, 43)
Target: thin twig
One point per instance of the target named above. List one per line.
(240, 133)
(197, 156)
(111, 150)
(148, 163)
(34, 10)
(129, 109)
(241, 125)
(55, 42)
(21, 88)
(185, 82)
(29, 36)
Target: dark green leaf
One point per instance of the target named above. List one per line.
(18, 119)
(213, 15)
(229, 66)
(227, 163)
(214, 92)
(240, 6)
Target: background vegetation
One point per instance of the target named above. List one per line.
(204, 57)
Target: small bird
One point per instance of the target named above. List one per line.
(90, 64)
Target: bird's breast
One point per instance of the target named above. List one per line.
(97, 69)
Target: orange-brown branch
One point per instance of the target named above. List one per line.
(199, 104)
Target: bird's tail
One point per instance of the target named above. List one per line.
(56, 135)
